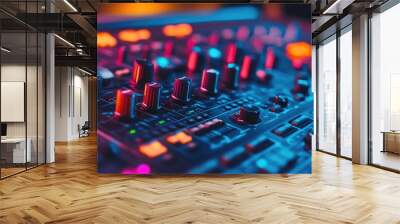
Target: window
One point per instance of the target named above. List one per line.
(385, 89)
(22, 75)
(327, 95)
(346, 92)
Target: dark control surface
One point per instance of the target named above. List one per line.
(226, 98)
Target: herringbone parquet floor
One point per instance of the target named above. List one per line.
(70, 191)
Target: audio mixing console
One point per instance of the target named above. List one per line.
(224, 89)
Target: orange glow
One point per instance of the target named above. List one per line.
(147, 8)
(144, 34)
(128, 35)
(153, 149)
(178, 30)
(105, 39)
(180, 137)
(134, 35)
(298, 50)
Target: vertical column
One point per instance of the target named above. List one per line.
(360, 90)
(50, 92)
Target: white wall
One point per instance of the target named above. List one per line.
(33, 127)
(71, 102)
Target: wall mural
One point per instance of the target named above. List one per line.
(204, 88)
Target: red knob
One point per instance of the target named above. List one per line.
(125, 104)
(151, 97)
(142, 73)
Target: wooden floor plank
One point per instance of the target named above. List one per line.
(70, 191)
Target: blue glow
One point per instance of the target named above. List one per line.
(214, 53)
(114, 148)
(261, 163)
(162, 62)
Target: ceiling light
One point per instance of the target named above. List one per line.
(337, 7)
(64, 40)
(327, 11)
(84, 71)
(5, 50)
(70, 5)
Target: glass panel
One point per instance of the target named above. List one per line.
(31, 98)
(32, 88)
(346, 94)
(327, 96)
(41, 98)
(385, 84)
(13, 85)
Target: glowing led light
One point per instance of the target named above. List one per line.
(261, 163)
(64, 40)
(144, 34)
(70, 5)
(214, 53)
(180, 137)
(128, 35)
(270, 59)
(122, 72)
(140, 169)
(162, 62)
(105, 39)
(143, 169)
(227, 34)
(153, 149)
(5, 49)
(178, 30)
(298, 50)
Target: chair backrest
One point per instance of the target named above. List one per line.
(86, 124)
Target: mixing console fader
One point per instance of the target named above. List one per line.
(205, 89)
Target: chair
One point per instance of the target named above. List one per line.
(84, 130)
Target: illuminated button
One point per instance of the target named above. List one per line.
(301, 121)
(206, 127)
(270, 59)
(233, 157)
(122, 55)
(196, 60)
(180, 137)
(234, 53)
(248, 67)
(284, 130)
(214, 58)
(299, 50)
(258, 145)
(264, 76)
(153, 149)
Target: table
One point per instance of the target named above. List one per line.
(391, 141)
(16, 147)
